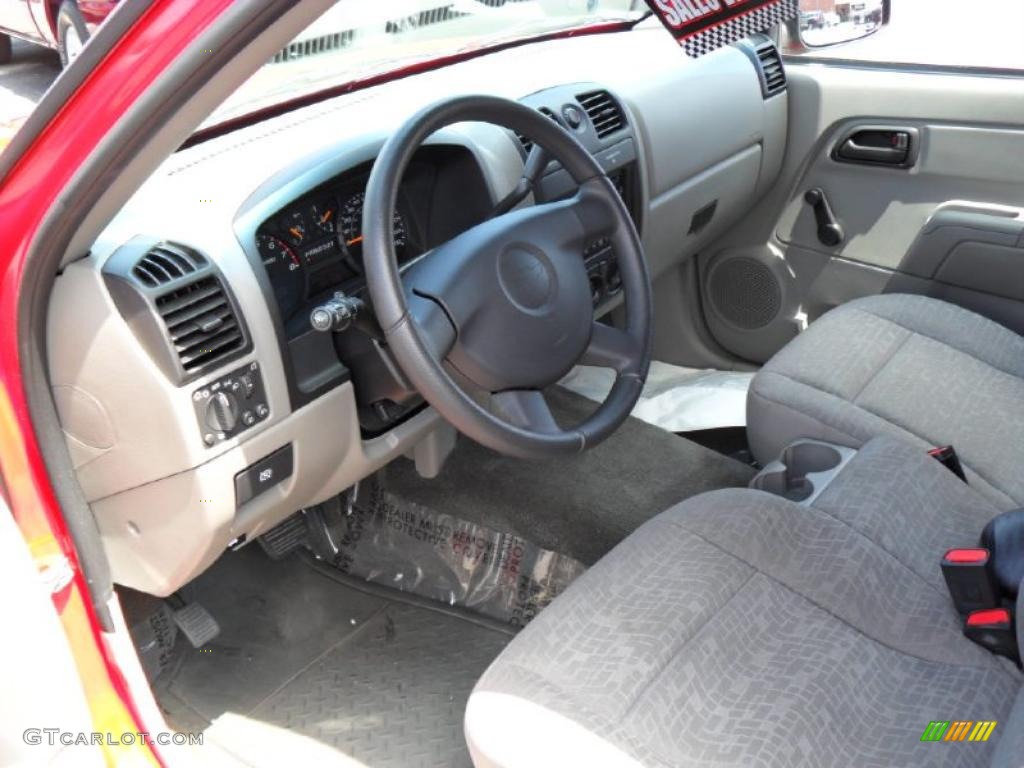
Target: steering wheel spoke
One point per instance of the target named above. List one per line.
(593, 208)
(611, 347)
(436, 330)
(526, 408)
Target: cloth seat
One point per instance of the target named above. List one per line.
(742, 629)
(911, 367)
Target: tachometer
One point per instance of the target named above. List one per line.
(284, 268)
(351, 222)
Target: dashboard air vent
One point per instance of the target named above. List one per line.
(165, 263)
(526, 143)
(604, 112)
(773, 75)
(201, 324)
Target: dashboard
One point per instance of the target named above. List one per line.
(200, 406)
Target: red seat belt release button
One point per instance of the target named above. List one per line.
(998, 618)
(946, 456)
(969, 579)
(993, 629)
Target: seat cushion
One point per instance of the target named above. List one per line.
(908, 504)
(907, 366)
(741, 629)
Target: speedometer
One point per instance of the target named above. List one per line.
(351, 224)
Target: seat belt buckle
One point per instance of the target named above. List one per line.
(969, 579)
(993, 629)
(946, 456)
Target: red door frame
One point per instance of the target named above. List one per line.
(29, 190)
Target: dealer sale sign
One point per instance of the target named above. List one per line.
(701, 26)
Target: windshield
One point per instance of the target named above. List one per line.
(359, 39)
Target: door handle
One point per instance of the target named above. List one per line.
(878, 146)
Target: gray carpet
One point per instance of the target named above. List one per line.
(580, 506)
(307, 669)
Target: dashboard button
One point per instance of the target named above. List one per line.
(248, 419)
(263, 475)
(573, 116)
(262, 411)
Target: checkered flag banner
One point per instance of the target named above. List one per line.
(701, 26)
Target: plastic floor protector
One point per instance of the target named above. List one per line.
(674, 398)
(394, 542)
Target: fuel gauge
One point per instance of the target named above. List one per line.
(324, 216)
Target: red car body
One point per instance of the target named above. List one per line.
(48, 160)
(36, 20)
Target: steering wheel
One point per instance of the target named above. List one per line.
(481, 324)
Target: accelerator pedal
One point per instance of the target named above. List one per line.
(285, 537)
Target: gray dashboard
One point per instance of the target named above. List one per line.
(700, 143)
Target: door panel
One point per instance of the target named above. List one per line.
(949, 225)
(882, 209)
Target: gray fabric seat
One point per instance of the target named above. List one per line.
(741, 629)
(908, 366)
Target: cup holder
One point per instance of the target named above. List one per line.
(803, 470)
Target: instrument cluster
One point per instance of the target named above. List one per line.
(315, 245)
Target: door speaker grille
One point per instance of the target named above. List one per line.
(744, 292)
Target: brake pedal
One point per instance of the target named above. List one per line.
(195, 622)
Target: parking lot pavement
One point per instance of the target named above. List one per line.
(22, 83)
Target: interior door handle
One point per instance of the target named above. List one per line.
(851, 150)
(878, 146)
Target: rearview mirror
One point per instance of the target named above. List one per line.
(822, 23)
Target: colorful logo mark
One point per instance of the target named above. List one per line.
(959, 730)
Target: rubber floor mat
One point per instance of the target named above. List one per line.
(307, 671)
(394, 694)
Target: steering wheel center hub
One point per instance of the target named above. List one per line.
(527, 278)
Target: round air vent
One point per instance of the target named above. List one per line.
(744, 292)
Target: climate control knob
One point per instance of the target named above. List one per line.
(222, 412)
